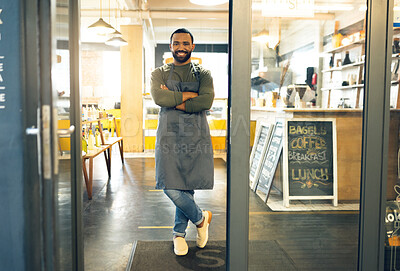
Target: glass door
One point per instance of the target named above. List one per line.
(391, 201)
(50, 102)
(332, 98)
(307, 102)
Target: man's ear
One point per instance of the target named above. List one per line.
(194, 45)
(170, 47)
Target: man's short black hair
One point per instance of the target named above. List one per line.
(181, 30)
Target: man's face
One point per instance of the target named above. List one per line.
(181, 47)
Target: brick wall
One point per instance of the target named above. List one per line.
(92, 68)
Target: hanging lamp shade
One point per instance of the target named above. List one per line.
(116, 34)
(117, 42)
(262, 36)
(101, 27)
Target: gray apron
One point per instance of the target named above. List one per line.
(184, 154)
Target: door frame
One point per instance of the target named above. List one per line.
(76, 142)
(238, 147)
(40, 240)
(375, 141)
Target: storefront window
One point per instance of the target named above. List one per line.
(392, 225)
(307, 87)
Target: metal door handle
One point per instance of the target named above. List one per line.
(68, 131)
(32, 130)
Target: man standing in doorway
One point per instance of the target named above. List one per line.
(184, 156)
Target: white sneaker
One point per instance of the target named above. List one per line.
(202, 232)
(180, 246)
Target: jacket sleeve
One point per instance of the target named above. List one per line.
(206, 94)
(162, 97)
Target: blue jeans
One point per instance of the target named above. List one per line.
(186, 209)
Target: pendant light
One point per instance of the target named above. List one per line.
(116, 34)
(101, 27)
(117, 42)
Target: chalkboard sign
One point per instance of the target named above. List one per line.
(271, 159)
(261, 141)
(310, 154)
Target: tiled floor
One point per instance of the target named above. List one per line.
(127, 208)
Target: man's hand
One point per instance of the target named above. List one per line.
(185, 96)
(164, 87)
(188, 95)
(181, 107)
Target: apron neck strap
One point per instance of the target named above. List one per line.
(196, 73)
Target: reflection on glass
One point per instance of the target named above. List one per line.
(61, 84)
(307, 86)
(392, 218)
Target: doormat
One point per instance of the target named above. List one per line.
(275, 203)
(159, 256)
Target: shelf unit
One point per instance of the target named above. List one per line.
(352, 65)
(352, 86)
(346, 47)
(344, 87)
(360, 65)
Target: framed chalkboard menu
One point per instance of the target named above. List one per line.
(270, 161)
(263, 133)
(310, 168)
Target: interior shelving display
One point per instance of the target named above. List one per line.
(358, 83)
(344, 67)
(359, 64)
(346, 47)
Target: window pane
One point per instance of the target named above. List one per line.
(306, 134)
(392, 225)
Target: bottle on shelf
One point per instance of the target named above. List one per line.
(331, 63)
(297, 100)
(90, 141)
(97, 138)
(346, 60)
(89, 113)
(84, 141)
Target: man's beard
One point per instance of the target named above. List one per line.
(181, 59)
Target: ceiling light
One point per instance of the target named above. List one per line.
(117, 42)
(116, 34)
(101, 27)
(209, 2)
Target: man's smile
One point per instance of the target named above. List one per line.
(181, 53)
